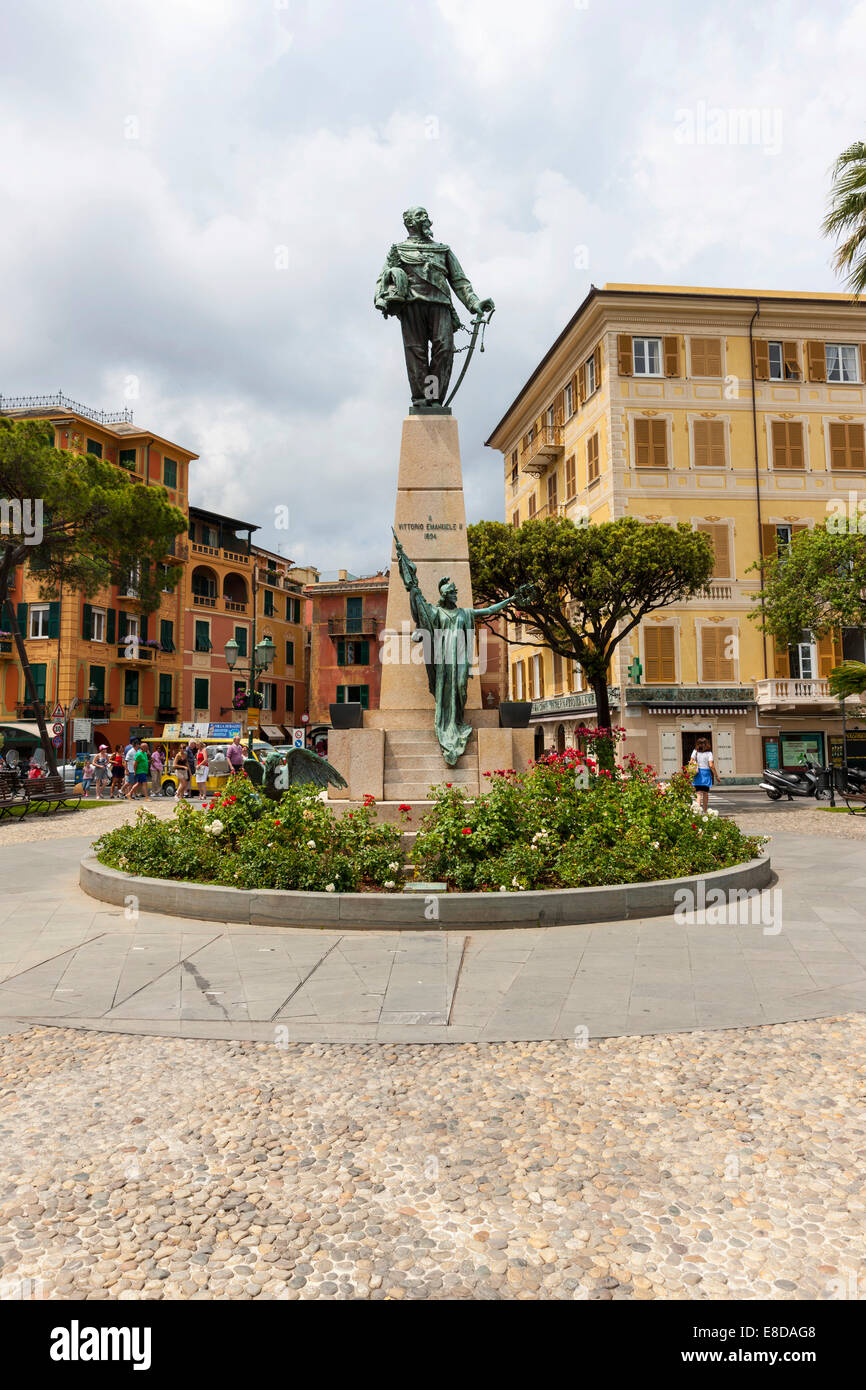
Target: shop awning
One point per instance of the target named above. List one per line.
(17, 734)
(699, 709)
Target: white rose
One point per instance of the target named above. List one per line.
(216, 827)
(311, 844)
(502, 888)
(330, 888)
(655, 844)
(389, 883)
(394, 867)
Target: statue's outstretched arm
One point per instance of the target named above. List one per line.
(524, 595)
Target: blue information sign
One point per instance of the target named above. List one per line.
(223, 730)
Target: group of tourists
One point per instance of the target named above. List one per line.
(136, 771)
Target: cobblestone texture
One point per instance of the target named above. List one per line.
(698, 1166)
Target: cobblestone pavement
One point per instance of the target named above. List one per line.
(807, 819)
(93, 821)
(697, 1166)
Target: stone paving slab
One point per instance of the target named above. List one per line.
(63, 956)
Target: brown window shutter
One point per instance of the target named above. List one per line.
(667, 662)
(672, 355)
(532, 504)
(597, 355)
(581, 382)
(816, 361)
(643, 456)
(515, 518)
(659, 436)
(788, 444)
(782, 662)
(769, 548)
(557, 672)
(706, 356)
(624, 354)
(825, 656)
(570, 488)
(709, 444)
(551, 494)
(761, 359)
(651, 655)
(715, 665)
(791, 359)
(575, 391)
(541, 673)
(847, 446)
(838, 445)
(856, 448)
(720, 540)
(592, 459)
(559, 408)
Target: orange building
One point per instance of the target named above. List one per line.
(347, 617)
(237, 591)
(116, 665)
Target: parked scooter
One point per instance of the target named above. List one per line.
(805, 782)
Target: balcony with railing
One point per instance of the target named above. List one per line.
(794, 694)
(97, 709)
(365, 626)
(167, 713)
(6, 647)
(544, 448)
(132, 652)
(26, 709)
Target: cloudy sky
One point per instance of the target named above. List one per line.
(197, 197)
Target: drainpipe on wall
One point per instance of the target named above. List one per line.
(757, 476)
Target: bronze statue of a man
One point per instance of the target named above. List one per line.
(414, 285)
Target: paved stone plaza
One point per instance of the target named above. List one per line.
(636, 1110)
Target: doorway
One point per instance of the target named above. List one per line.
(690, 738)
(560, 738)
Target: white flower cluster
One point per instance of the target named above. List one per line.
(394, 867)
(216, 827)
(330, 888)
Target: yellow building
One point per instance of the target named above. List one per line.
(116, 665)
(741, 413)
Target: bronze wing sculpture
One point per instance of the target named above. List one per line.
(288, 767)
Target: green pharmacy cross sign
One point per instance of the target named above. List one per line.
(635, 671)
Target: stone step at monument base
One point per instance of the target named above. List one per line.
(417, 766)
(422, 740)
(413, 792)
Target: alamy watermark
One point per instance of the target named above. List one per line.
(444, 646)
(702, 124)
(22, 517)
(719, 907)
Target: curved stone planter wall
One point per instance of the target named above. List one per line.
(393, 911)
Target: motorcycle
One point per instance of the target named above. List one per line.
(805, 782)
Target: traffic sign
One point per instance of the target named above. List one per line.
(59, 712)
(57, 740)
(305, 719)
(57, 728)
(299, 738)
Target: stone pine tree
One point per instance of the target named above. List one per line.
(80, 523)
(591, 585)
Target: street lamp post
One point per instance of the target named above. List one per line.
(262, 658)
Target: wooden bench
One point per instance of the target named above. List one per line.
(12, 794)
(859, 797)
(50, 791)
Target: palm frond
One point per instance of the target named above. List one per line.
(848, 679)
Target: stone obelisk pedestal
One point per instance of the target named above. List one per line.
(396, 756)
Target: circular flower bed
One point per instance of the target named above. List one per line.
(566, 823)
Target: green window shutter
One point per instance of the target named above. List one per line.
(341, 652)
(341, 694)
(165, 689)
(166, 637)
(96, 678)
(169, 472)
(290, 653)
(241, 639)
(54, 619)
(110, 628)
(290, 698)
(288, 609)
(142, 627)
(363, 654)
(39, 671)
(130, 687)
(87, 622)
(21, 616)
(121, 625)
(365, 696)
(201, 697)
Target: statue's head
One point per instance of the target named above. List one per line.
(447, 592)
(416, 221)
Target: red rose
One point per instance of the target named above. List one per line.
(466, 830)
